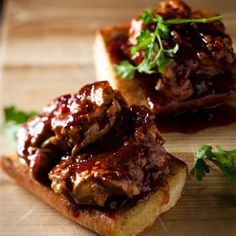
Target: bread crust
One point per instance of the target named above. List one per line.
(126, 221)
(104, 65)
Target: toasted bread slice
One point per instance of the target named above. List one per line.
(104, 65)
(105, 61)
(123, 222)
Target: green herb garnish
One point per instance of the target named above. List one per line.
(225, 160)
(155, 57)
(13, 119)
(202, 20)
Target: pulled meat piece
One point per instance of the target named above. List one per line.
(81, 119)
(203, 48)
(147, 135)
(173, 9)
(93, 147)
(92, 178)
(125, 162)
(68, 124)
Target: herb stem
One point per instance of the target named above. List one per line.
(159, 41)
(183, 21)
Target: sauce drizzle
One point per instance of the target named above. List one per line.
(195, 121)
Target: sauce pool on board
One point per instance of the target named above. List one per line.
(195, 121)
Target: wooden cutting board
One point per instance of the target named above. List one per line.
(46, 48)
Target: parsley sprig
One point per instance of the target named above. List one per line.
(13, 119)
(224, 160)
(155, 57)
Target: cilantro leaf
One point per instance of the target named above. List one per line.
(203, 152)
(162, 62)
(13, 119)
(144, 39)
(163, 30)
(224, 160)
(147, 17)
(11, 114)
(155, 57)
(145, 67)
(200, 169)
(173, 51)
(126, 70)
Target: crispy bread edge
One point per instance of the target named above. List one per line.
(125, 222)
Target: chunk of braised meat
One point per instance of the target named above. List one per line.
(84, 117)
(125, 162)
(203, 48)
(35, 152)
(167, 9)
(213, 46)
(147, 135)
(173, 9)
(91, 179)
(68, 124)
(174, 82)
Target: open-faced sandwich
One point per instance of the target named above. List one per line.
(98, 161)
(170, 58)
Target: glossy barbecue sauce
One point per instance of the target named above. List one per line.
(209, 90)
(194, 121)
(46, 144)
(59, 127)
(112, 154)
(124, 150)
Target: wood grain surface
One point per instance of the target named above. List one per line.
(46, 50)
